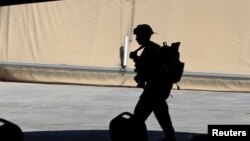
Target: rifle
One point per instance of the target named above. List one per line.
(139, 78)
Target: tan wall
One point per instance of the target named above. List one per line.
(214, 34)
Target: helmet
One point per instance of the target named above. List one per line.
(143, 29)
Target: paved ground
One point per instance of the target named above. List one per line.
(47, 112)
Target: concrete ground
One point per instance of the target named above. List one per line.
(48, 112)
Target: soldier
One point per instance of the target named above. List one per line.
(149, 77)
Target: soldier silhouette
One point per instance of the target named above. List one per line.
(156, 88)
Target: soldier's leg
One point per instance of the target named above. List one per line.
(143, 109)
(161, 112)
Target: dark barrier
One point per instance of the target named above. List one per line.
(10, 131)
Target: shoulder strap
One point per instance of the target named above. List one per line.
(141, 47)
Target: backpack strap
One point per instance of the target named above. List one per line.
(141, 47)
(178, 87)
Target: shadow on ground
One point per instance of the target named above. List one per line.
(100, 135)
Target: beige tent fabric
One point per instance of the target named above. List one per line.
(214, 36)
(75, 32)
(79, 77)
(119, 78)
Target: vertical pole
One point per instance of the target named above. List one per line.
(125, 51)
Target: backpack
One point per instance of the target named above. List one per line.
(172, 66)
